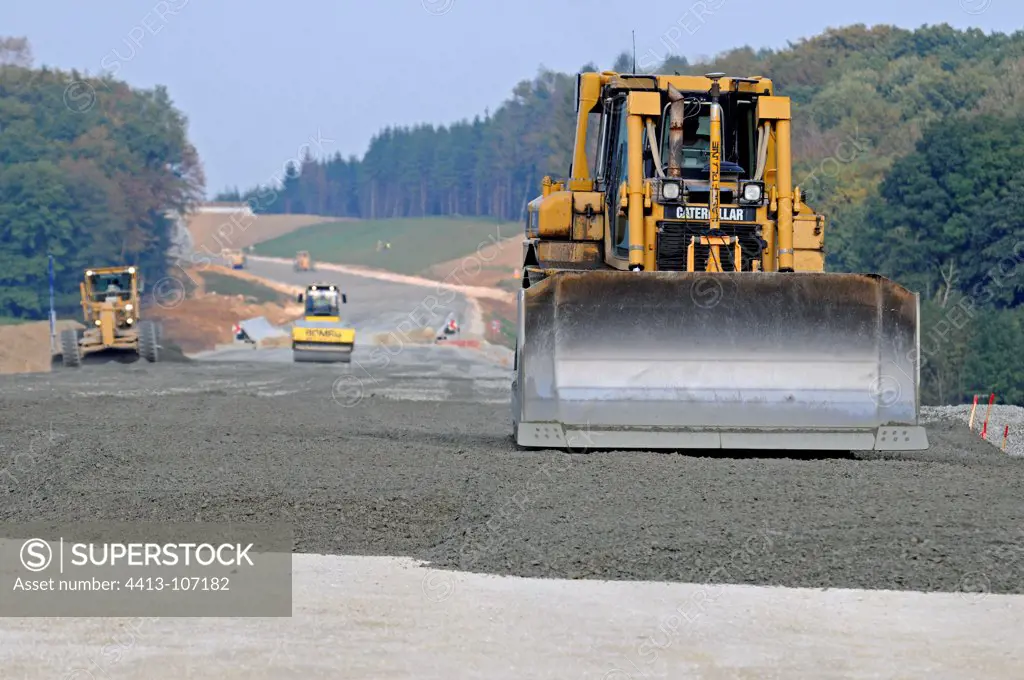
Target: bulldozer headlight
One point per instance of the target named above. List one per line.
(98, 322)
(90, 273)
(753, 192)
(670, 191)
(129, 321)
(128, 307)
(131, 270)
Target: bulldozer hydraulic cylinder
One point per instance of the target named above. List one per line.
(635, 130)
(784, 179)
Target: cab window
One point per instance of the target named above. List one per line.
(322, 303)
(104, 285)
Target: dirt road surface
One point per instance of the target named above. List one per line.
(374, 305)
(26, 347)
(211, 232)
(406, 453)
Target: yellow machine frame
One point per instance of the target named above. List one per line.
(671, 303)
(111, 324)
(567, 222)
(236, 258)
(322, 338)
(303, 261)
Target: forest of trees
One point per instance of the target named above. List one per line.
(88, 168)
(910, 142)
(948, 221)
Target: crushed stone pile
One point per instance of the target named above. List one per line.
(1001, 416)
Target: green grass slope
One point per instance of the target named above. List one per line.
(229, 285)
(416, 243)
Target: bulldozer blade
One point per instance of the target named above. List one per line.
(686, 360)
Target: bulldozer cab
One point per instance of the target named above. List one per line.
(322, 301)
(709, 154)
(696, 143)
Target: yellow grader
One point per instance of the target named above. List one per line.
(236, 258)
(113, 327)
(303, 262)
(674, 293)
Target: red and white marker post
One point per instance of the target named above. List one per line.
(988, 412)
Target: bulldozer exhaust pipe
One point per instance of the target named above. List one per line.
(677, 117)
(715, 157)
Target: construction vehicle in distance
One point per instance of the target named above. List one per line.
(236, 258)
(110, 305)
(449, 329)
(320, 335)
(239, 334)
(674, 292)
(303, 262)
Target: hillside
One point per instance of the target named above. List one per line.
(416, 245)
(495, 265)
(25, 347)
(211, 232)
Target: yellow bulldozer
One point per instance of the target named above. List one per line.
(303, 262)
(674, 293)
(113, 327)
(236, 258)
(320, 335)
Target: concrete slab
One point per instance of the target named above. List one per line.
(376, 617)
(260, 329)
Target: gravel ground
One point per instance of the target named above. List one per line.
(433, 474)
(1001, 417)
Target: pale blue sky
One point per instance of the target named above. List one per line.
(259, 79)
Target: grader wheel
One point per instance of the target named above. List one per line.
(149, 341)
(70, 349)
